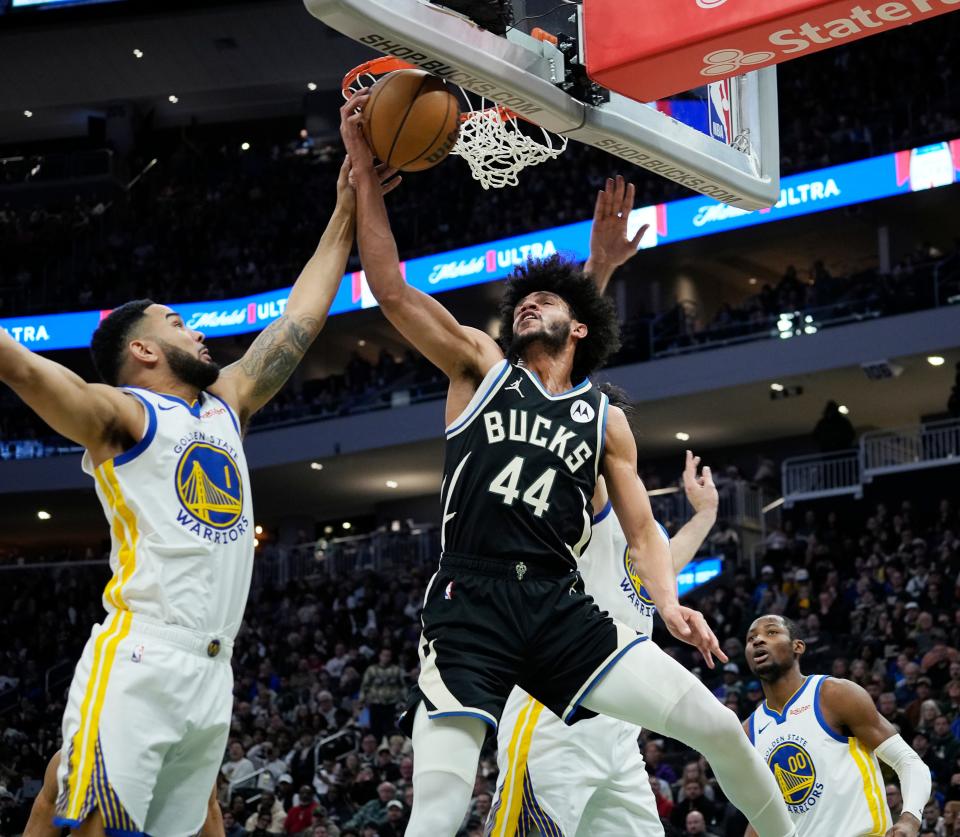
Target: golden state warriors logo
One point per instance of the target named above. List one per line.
(793, 769)
(635, 581)
(209, 485)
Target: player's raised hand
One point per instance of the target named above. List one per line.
(700, 490)
(906, 826)
(609, 243)
(689, 626)
(351, 131)
(346, 182)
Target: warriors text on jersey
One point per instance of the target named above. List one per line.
(831, 783)
(521, 466)
(610, 576)
(180, 516)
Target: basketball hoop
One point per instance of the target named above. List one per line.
(492, 141)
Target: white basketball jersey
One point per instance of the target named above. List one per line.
(181, 518)
(609, 576)
(831, 783)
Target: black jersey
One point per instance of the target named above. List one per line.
(521, 467)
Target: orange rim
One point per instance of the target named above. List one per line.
(374, 67)
(388, 64)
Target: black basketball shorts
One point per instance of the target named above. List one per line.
(491, 624)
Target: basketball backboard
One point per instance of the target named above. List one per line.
(720, 140)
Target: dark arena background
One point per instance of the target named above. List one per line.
(188, 152)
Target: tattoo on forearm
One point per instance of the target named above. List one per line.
(275, 353)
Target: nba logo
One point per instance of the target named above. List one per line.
(718, 98)
(448, 593)
(137, 654)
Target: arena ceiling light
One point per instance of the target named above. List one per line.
(258, 530)
(244, 146)
(138, 53)
(28, 113)
(328, 530)
(316, 466)
(776, 387)
(683, 437)
(843, 409)
(44, 515)
(311, 86)
(361, 343)
(935, 360)
(346, 524)
(392, 484)
(172, 99)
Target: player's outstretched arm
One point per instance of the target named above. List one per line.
(265, 367)
(610, 246)
(702, 495)
(847, 705)
(650, 553)
(459, 351)
(97, 416)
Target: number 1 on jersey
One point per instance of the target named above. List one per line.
(536, 496)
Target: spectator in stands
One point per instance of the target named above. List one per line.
(894, 801)
(268, 804)
(834, 431)
(953, 403)
(231, 828)
(656, 766)
(382, 690)
(695, 824)
(262, 828)
(375, 811)
(300, 815)
(238, 769)
(396, 821)
(693, 800)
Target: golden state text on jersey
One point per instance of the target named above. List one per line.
(210, 487)
(793, 767)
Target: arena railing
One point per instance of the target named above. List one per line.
(879, 452)
(822, 475)
(908, 448)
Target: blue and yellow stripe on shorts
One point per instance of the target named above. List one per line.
(86, 785)
(518, 813)
(873, 789)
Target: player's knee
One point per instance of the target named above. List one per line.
(725, 724)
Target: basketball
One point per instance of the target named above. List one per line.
(411, 120)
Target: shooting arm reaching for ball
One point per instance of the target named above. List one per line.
(466, 354)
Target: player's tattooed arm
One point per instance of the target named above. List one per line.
(252, 381)
(610, 246)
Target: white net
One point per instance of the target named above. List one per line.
(497, 149)
(492, 141)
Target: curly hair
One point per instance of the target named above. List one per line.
(561, 277)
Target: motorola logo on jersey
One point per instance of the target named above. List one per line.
(582, 412)
(796, 775)
(210, 489)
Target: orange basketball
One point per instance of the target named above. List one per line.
(411, 120)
